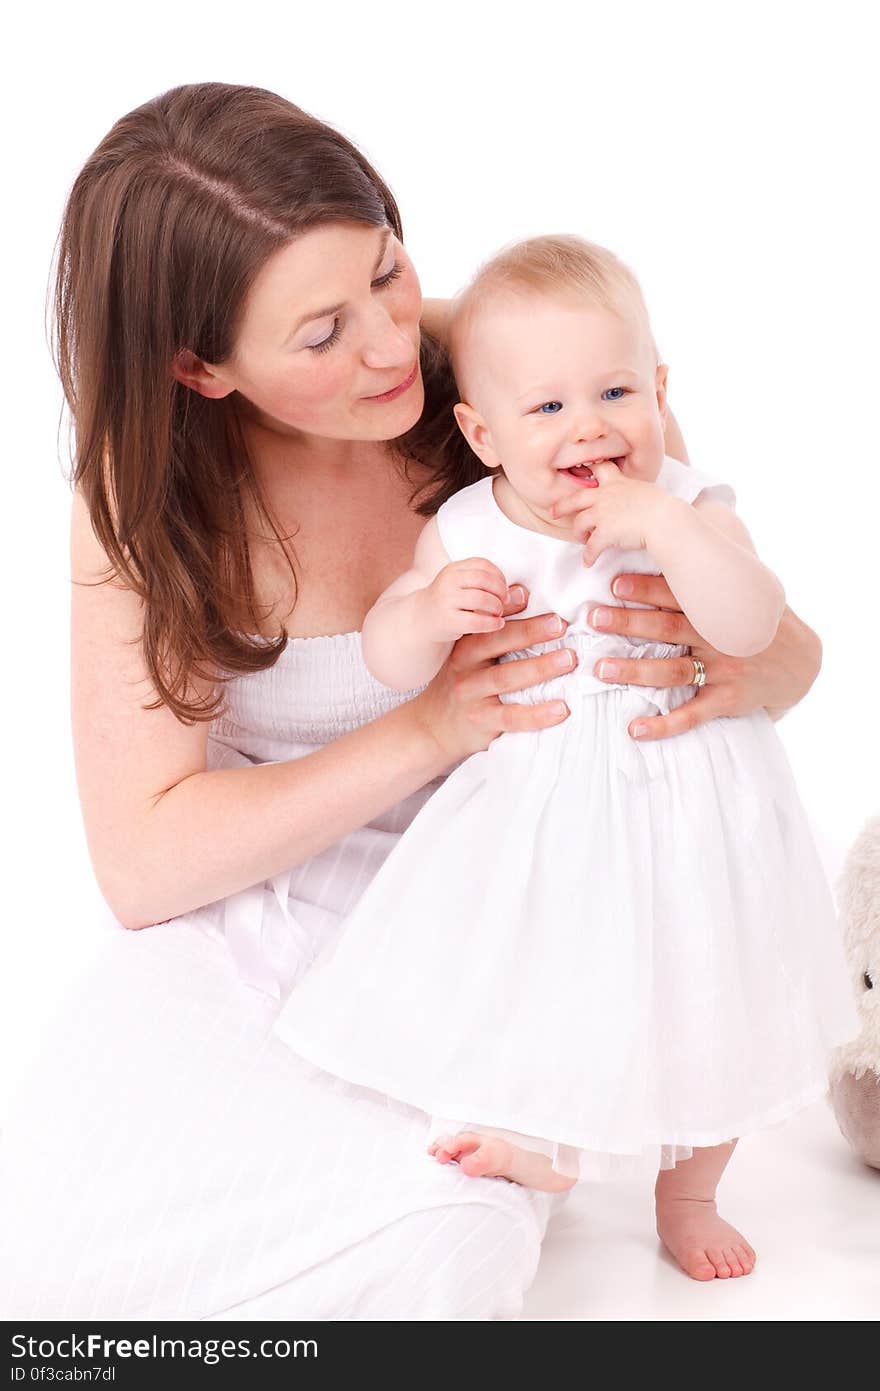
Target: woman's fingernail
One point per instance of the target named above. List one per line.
(516, 595)
(558, 707)
(638, 730)
(608, 671)
(622, 588)
(564, 659)
(554, 626)
(601, 618)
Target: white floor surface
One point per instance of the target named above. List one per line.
(809, 1208)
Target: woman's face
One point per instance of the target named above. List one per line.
(330, 326)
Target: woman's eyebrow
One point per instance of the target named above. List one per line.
(335, 308)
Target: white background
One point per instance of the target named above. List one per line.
(727, 152)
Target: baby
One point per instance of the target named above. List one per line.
(513, 349)
(586, 953)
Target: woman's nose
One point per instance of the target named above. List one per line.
(388, 345)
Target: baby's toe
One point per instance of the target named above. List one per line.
(698, 1265)
(444, 1148)
(716, 1256)
(733, 1261)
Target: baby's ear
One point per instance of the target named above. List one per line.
(662, 405)
(476, 432)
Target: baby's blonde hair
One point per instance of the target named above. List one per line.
(555, 265)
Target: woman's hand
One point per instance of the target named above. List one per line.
(774, 680)
(461, 707)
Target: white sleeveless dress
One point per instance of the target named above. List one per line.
(167, 1157)
(610, 951)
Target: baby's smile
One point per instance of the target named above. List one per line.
(583, 474)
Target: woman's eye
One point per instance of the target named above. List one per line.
(550, 408)
(614, 393)
(395, 271)
(380, 284)
(327, 343)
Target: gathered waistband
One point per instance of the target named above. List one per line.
(590, 647)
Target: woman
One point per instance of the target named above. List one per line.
(261, 430)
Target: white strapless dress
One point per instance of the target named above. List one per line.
(168, 1157)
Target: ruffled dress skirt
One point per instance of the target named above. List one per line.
(611, 952)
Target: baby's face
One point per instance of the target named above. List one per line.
(555, 385)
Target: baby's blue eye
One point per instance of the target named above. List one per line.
(614, 393)
(551, 407)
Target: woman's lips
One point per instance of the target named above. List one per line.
(396, 390)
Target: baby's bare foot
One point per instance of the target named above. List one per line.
(704, 1245)
(489, 1156)
(479, 1156)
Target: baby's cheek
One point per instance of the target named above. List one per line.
(652, 449)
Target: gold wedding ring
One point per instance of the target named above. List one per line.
(699, 672)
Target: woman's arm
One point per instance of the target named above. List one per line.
(435, 317)
(167, 835)
(673, 439)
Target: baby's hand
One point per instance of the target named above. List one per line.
(620, 511)
(467, 596)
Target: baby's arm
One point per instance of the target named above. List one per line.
(702, 548)
(707, 558)
(410, 630)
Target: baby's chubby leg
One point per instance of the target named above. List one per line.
(688, 1224)
(489, 1156)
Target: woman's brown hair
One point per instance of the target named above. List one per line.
(166, 227)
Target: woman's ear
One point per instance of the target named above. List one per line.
(476, 432)
(662, 406)
(199, 376)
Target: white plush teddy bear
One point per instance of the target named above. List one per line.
(855, 1069)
